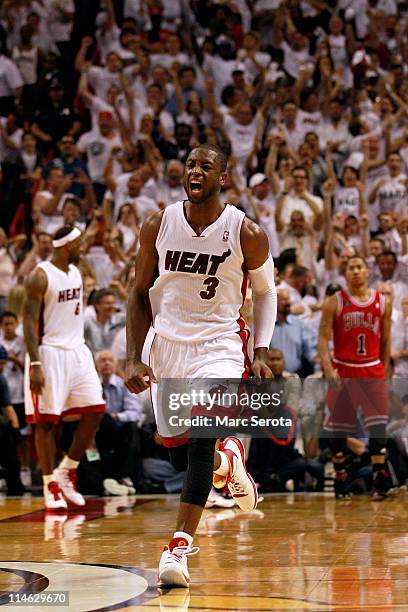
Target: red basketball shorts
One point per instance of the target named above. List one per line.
(362, 388)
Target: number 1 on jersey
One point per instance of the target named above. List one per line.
(78, 309)
(211, 283)
(361, 347)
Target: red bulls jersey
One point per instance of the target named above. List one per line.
(357, 329)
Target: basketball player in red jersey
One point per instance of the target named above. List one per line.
(359, 320)
(60, 375)
(191, 270)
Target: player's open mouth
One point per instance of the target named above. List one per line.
(195, 187)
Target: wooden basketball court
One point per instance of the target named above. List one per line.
(295, 552)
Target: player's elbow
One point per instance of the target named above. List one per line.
(139, 295)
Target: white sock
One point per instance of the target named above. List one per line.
(47, 479)
(184, 535)
(224, 468)
(68, 464)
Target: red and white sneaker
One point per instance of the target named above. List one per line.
(67, 481)
(239, 482)
(53, 497)
(173, 570)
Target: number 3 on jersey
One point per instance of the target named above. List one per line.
(211, 283)
(361, 344)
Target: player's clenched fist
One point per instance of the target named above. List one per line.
(138, 376)
(37, 380)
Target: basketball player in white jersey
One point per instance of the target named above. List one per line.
(61, 379)
(203, 251)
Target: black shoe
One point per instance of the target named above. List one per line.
(271, 484)
(358, 487)
(382, 484)
(16, 489)
(341, 485)
(148, 486)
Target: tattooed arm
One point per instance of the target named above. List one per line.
(35, 287)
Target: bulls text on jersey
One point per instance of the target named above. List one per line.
(361, 319)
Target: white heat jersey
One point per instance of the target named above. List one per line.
(392, 195)
(61, 321)
(346, 200)
(201, 284)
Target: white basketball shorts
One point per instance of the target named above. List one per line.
(220, 358)
(72, 386)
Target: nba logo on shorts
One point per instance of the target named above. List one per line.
(225, 236)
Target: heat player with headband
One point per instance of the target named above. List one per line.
(60, 375)
(191, 270)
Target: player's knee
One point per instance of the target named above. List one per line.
(198, 479)
(46, 427)
(94, 418)
(202, 448)
(197, 450)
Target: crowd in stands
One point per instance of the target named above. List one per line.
(100, 104)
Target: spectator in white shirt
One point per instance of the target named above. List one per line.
(29, 59)
(105, 255)
(129, 108)
(100, 78)
(127, 189)
(292, 42)
(399, 339)
(290, 129)
(41, 36)
(243, 126)
(41, 251)
(337, 42)
(10, 138)
(389, 233)
(296, 196)
(128, 223)
(173, 54)
(155, 99)
(7, 270)
(309, 116)
(253, 59)
(262, 203)
(299, 235)
(97, 145)
(60, 25)
(390, 193)
(335, 128)
(295, 283)
(221, 65)
(170, 189)
(101, 330)
(390, 270)
(47, 204)
(11, 86)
